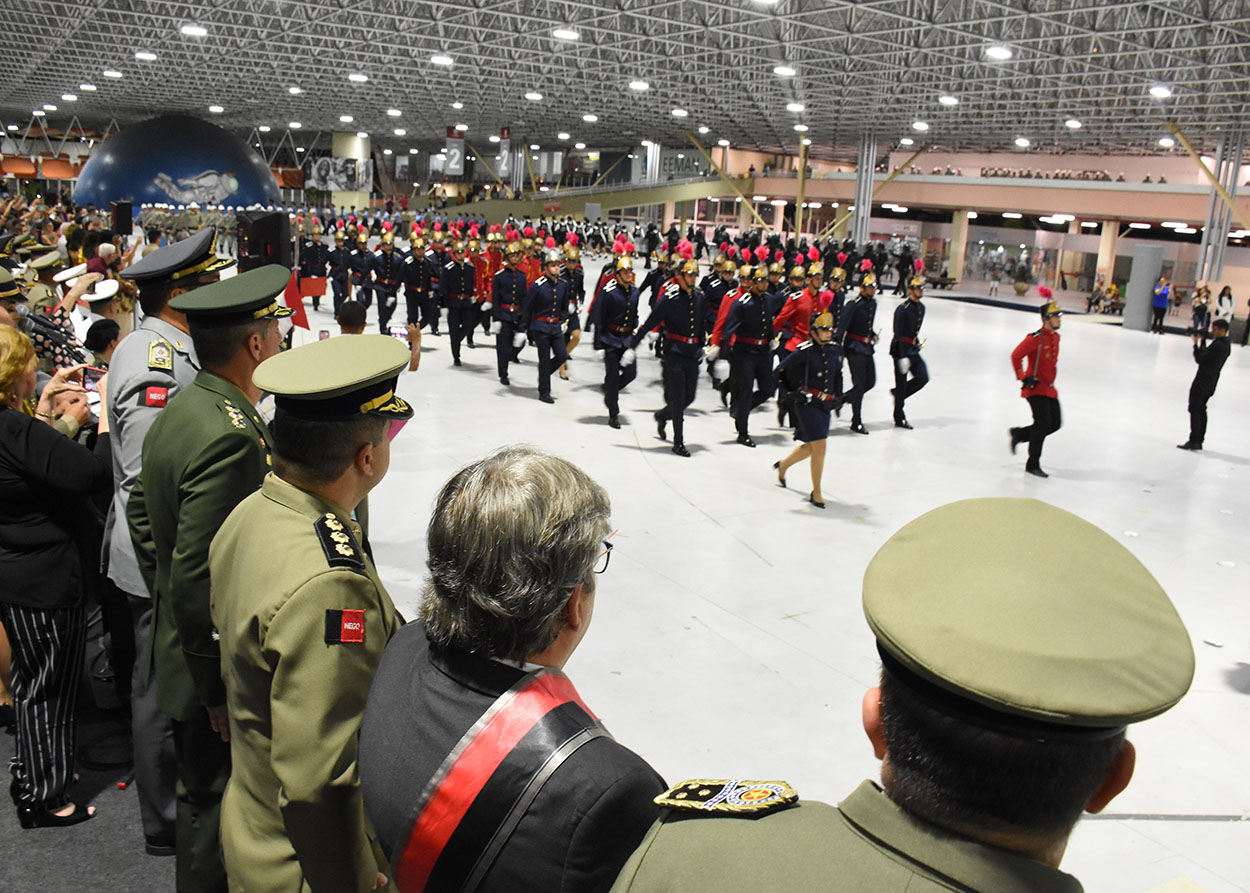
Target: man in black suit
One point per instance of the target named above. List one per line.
(1210, 359)
(480, 765)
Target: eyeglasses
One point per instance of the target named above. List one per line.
(607, 558)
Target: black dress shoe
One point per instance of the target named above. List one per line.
(456, 361)
(1014, 434)
(472, 346)
(781, 478)
(1036, 471)
(39, 817)
(614, 421)
(547, 398)
(724, 395)
(811, 497)
(160, 845)
(680, 449)
(1188, 445)
(858, 428)
(745, 440)
(902, 423)
(503, 379)
(660, 427)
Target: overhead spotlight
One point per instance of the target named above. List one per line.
(580, 146)
(1139, 226)
(1012, 215)
(1172, 224)
(1167, 142)
(705, 129)
(294, 91)
(294, 125)
(358, 78)
(922, 126)
(216, 109)
(947, 99)
(361, 135)
(646, 143)
(39, 113)
(999, 52)
(145, 56)
(442, 60)
(1022, 142)
(462, 127)
(590, 119)
(972, 215)
(457, 105)
(346, 119)
(412, 151)
(87, 88)
(800, 128)
(795, 107)
(1185, 230)
(679, 113)
(112, 73)
(193, 30)
(562, 135)
(639, 86)
(387, 152)
(805, 141)
(49, 107)
(1160, 91)
(494, 138)
(69, 97)
(724, 143)
(394, 113)
(565, 34)
(907, 141)
(784, 71)
(264, 128)
(11, 127)
(899, 209)
(778, 203)
(533, 96)
(1089, 224)
(399, 131)
(1072, 124)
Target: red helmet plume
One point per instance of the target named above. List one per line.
(842, 255)
(573, 239)
(813, 254)
(865, 265)
(761, 253)
(918, 263)
(550, 242)
(1044, 292)
(779, 255)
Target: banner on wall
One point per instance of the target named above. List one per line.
(453, 166)
(335, 174)
(505, 153)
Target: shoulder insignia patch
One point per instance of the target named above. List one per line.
(730, 796)
(236, 415)
(338, 543)
(345, 626)
(161, 355)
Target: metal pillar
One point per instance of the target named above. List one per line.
(1219, 217)
(864, 171)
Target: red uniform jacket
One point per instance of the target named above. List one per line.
(796, 316)
(533, 268)
(1038, 355)
(721, 316)
(481, 278)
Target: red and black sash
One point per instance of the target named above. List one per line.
(481, 791)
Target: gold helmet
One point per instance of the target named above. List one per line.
(815, 268)
(417, 243)
(718, 261)
(729, 266)
(339, 235)
(869, 280)
(514, 248)
(362, 236)
(1051, 308)
(689, 267)
(776, 267)
(475, 246)
(745, 271)
(838, 274)
(388, 238)
(760, 274)
(623, 264)
(661, 257)
(572, 253)
(317, 230)
(917, 281)
(822, 320)
(527, 244)
(457, 247)
(798, 272)
(552, 257)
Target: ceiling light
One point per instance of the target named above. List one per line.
(583, 146)
(69, 97)
(346, 119)
(194, 30)
(784, 71)
(264, 128)
(358, 78)
(295, 125)
(399, 131)
(1171, 224)
(387, 152)
(639, 85)
(759, 198)
(888, 205)
(361, 135)
(544, 188)
(38, 113)
(724, 143)
(294, 91)
(216, 109)
(462, 127)
(795, 107)
(457, 105)
(907, 141)
(87, 88)
(590, 119)
(442, 60)
(704, 129)
(1022, 142)
(972, 215)
(1159, 91)
(1012, 215)
(533, 96)
(899, 209)
(778, 203)
(1139, 226)
(494, 138)
(112, 73)
(947, 99)
(800, 128)
(534, 146)
(565, 34)
(1072, 124)
(145, 56)
(394, 113)
(11, 127)
(806, 141)
(1089, 224)
(815, 205)
(1186, 230)
(49, 107)
(919, 125)
(646, 143)
(679, 113)
(1066, 218)
(299, 148)
(1167, 142)
(562, 135)
(412, 151)
(999, 52)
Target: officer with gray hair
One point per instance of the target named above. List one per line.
(480, 764)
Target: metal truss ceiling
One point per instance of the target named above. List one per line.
(873, 66)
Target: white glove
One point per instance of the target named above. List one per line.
(712, 353)
(496, 327)
(718, 368)
(518, 340)
(652, 336)
(628, 358)
(904, 365)
(486, 305)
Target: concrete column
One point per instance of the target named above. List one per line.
(1147, 263)
(959, 245)
(1105, 266)
(744, 215)
(348, 145)
(839, 231)
(779, 217)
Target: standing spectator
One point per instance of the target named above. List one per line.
(48, 546)
(1224, 305)
(1202, 311)
(1159, 305)
(1210, 359)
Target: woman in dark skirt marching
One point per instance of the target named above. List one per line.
(814, 371)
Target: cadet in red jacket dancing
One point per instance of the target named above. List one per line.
(1036, 361)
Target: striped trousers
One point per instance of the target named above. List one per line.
(48, 648)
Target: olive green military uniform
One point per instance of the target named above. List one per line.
(303, 620)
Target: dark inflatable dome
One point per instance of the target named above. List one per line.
(176, 159)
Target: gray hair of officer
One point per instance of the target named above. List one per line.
(512, 536)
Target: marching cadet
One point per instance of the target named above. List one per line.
(299, 653)
(856, 338)
(747, 339)
(455, 290)
(314, 256)
(837, 285)
(360, 262)
(545, 312)
(615, 317)
(416, 283)
(575, 280)
(724, 287)
(204, 453)
(684, 314)
(435, 259)
(656, 279)
(713, 274)
(340, 270)
(814, 373)
(508, 290)
(388, 273)
(910, 372)
(481, 285)
(149, 367)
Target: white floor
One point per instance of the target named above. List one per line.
(728, 638)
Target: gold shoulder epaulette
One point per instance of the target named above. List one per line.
(730, 796)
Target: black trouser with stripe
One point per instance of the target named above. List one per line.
(615, 378)
(505, 352)
(339, 287)
(459, 325)
(752, 377)
(681, 378)
(388, 298)
(907, 383)
(47, 663)
(863, 378)
(1046, 421)
(551, 355)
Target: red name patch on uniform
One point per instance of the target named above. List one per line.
(155, 396)
(345, 626)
